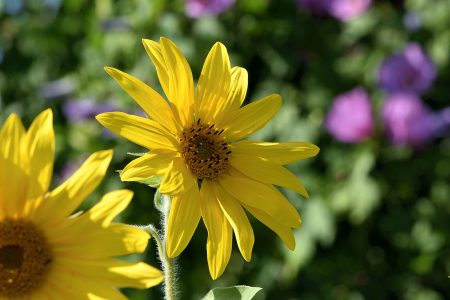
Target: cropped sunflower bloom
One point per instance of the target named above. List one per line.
(46, 252)
(196, 147)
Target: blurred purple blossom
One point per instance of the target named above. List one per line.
(350, 117)
(412, 21)
(56, 89)
(318, 7)
(346, 10)
(409, 71)
(12, 7)
(443, 122)
(408, 121)
(343, 10)
(115, 24)
(199, 8)
(81, 109)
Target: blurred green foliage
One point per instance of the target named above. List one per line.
(377, 223)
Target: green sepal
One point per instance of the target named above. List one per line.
(237, 292)
(158, 201)
(153, 182)
(139, 154)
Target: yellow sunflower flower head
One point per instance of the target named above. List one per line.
(45, 251)
(196, 147)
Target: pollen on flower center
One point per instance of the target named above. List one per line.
(205, 151)
(25, 258)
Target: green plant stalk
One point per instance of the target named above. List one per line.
(168, 264)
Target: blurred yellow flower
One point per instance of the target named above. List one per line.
(46, 252)
(197, 148)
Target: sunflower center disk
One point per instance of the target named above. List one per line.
(25, 258)
(205, 151)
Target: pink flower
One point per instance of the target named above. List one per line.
(408, 121)
(346, 10)
(350, 117)
(199, 8)
(343, 10)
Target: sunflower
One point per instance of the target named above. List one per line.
(46, 252)
(196, 147)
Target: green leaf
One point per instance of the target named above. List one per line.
(238, 292)
(254, 6)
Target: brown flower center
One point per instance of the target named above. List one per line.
(205, 151)
(25, 258)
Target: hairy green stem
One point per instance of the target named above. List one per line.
(168, 264)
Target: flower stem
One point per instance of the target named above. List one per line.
(168, 264)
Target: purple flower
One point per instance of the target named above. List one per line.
(442, 122)
(345, 10)
(57, 89)
(412, 21)
(318, 7)
(81, 109)
(350, 117)
(409, 71)
(408, 121)
(199, 8)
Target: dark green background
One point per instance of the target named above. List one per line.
(377, 223)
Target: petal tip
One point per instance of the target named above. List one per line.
(105, 154)
(101, 117)
(48, 113)
(291, 246)
(316, 150)
(247, 256)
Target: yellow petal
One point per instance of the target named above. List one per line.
(151, 164)
(13, 166)
(239, 85)
(47, 291)
(111, 204)
(153, 50)
(11, 135)
(284, 232)
(40, 140)
(213, 85)
(181, 84)
(141, 131)
(110, 294)
(115, 272)
(63, 200)
(236, 95)
(146, 275)
(70, 284)
(150, 101)
(219, 242)
(13, 188)
(262, 196)
(183, 220)
(2, 211)
(266, 171)
(252, 117)
(238, 220)
(114, 240)
(178, 178)
(281, 153)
